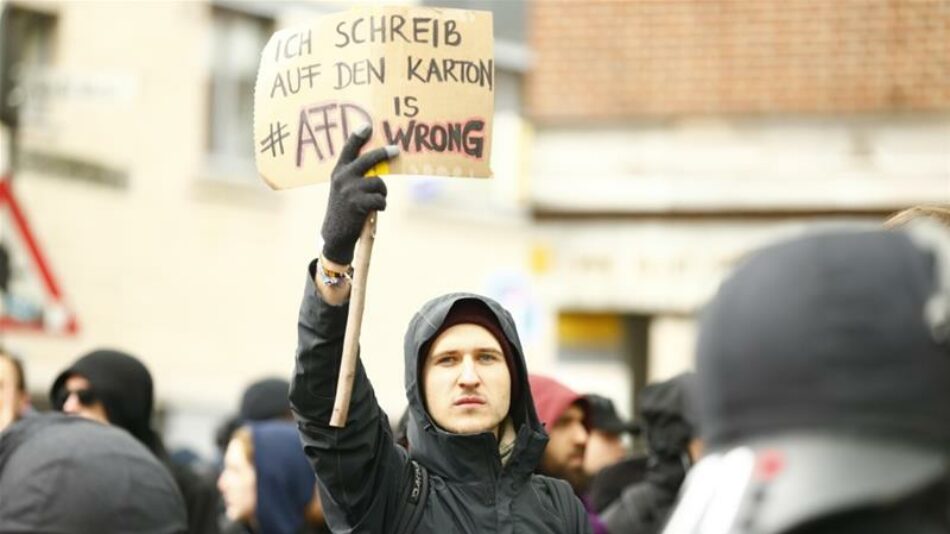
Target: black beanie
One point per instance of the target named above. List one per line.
(266, 399)
(474, 311)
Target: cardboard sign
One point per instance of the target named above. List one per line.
(423, 77)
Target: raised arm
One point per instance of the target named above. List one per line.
(358, 467)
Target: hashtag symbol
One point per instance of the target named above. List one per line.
(276, 138)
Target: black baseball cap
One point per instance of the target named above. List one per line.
(823, 380)
(603, 416)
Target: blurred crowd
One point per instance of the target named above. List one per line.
(820, 404)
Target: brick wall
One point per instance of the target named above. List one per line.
(602, 60)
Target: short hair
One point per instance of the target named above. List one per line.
(17, 369)
(939, 213)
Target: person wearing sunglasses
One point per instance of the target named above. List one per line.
(115, 388)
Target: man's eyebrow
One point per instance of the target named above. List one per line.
(451, 352)
(455, 352)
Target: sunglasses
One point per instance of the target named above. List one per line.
(86, 397)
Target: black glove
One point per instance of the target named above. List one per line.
(352, 197)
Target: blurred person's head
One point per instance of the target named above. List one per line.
(13, 384)
(266, 399)
(108, 386)
(262, 400)
(605, 445)
(824, 389)
(267, 482)
(666, 415)
(565, 416)
(238, 479)
(67, 474)
(467, 383)
(669, 418)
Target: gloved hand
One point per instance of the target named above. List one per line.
(352, 196)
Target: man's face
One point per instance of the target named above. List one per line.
(603, 449)
(238, 482)
(564, 455)
(466, 381)
(81, 400)
(12, 401)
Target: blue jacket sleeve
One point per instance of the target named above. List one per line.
(359, 467)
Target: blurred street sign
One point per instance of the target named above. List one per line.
(30, 297)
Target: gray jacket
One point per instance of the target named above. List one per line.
(364, 477)
(66, 474)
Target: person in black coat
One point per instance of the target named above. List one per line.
(823, 373)
(115, 388)
(668, 419)
(67, 474)
(474, 436)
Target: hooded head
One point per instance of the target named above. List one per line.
(123, 386)
(466, 383)
(285, 480)
(823, 376)
(66, 474)
(266, 478)
(565, 415)
(467, 373)
(669, 415)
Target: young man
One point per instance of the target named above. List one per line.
(566, 417)
(474, 437)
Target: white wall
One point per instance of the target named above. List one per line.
(790, 162)
(203, 279)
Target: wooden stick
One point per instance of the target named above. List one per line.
(354, 320)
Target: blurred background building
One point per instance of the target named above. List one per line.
(640, 149)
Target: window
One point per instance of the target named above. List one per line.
(27, 50)
(238, 39)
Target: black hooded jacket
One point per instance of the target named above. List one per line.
(68, 474)
(668, 417)
(124, 386)
(364, 477)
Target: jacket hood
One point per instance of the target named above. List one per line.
(552, 398)
(67, 474)
(668, 415)
(285, 480)
(828, 331)
(469, 457)
(124, 386)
